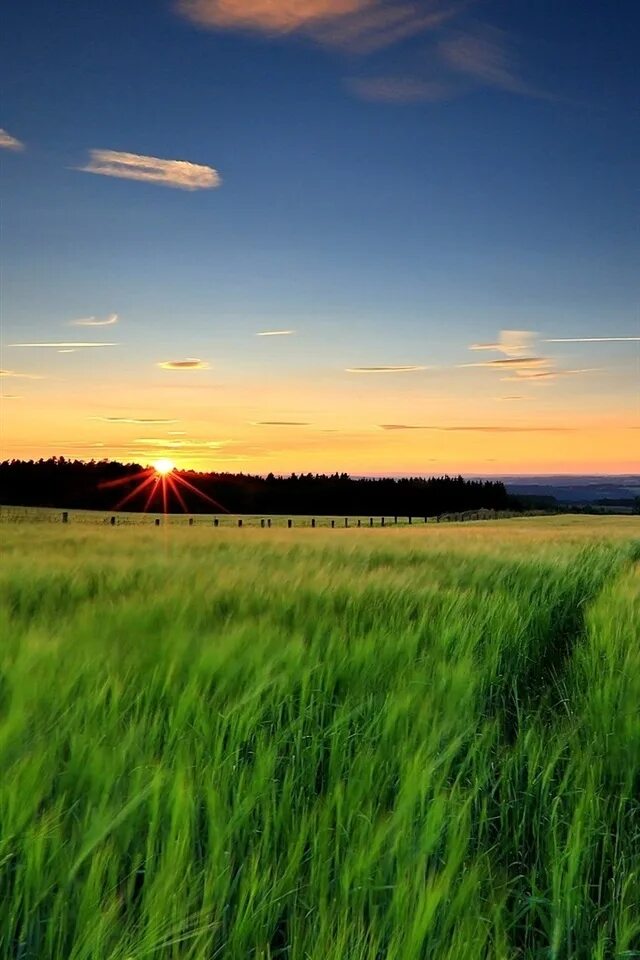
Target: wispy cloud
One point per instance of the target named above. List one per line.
(10, 396)
(20, 376)
(403, 426)
(188, 364)
(552, 374)
(404, 369)
(276, 333)
(7, 142)
(65, 345)
(594, 340)
(400, 89)
(163, 443)
(473, 428)
(512, 343)
(484, 56)
(526, 363)
(139, 420)
(169, 173)
(360, 26)
(279, 423)
(95, 321)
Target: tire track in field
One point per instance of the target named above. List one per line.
(540, 686)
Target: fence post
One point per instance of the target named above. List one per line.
(313, 521)
(370, 521)
(346, 521)
(65, 516)
(190, 521)
(112, 521)
(269, 522)
(333, 523)
(410, 520)
(157, 521)
(215, 521)
(395, 519)
(239, 521)
(289, 524)
(382, 521)
(359, 522)
(262, 523)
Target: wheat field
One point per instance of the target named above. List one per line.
(320, 744)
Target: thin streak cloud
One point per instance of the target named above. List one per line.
(594, 340)
(65, 345)
(548, 375)
(7, 142)
(169, 173)
(138, 420)
(404, 369)
(276, 333)
(524, 362)
(280, 423)
(477, 429)
(20, 376)
(188, 364)
(95, 321)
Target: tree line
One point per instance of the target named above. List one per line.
(103, 484)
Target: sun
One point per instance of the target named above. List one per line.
(163, 466)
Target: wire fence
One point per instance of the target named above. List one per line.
(237, 521)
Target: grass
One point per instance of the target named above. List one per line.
(321, 745)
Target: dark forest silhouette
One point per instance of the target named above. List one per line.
(100, 485)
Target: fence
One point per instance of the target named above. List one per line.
(227, 521)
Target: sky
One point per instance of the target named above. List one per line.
(320, 235)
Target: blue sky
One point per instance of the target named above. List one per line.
(397, 182)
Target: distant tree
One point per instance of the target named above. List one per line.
(100, 485)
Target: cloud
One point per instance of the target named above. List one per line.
(276, 333)
(526, 363)
(594, 340)
(513, 343)
(182, 444)
(95, 321)
(188, 364)
(132, 420)
(403, 426)
(20, 376)
(280, 423)
(168, 173)
(548, 375)
(7, 142)
(62, 345)
(513, 397)
(405, 369)
(360, 26)
(477, 429)
(483, 56)
(400, 89)
(10, 396)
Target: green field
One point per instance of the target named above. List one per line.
(320, 745)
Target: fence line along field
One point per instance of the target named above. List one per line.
(391, 745)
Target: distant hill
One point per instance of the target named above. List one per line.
(576, 490)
